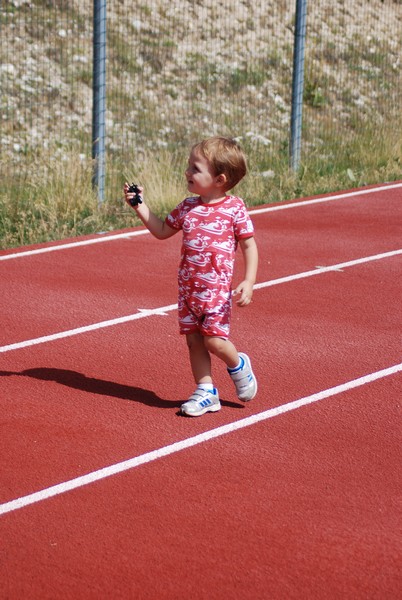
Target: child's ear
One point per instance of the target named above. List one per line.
(221, 180)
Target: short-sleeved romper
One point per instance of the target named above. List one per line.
(210, 236)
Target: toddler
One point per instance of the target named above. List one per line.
(213, 223)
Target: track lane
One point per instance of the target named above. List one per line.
(84, 284)
(164, 310)
(309, 512)
(301, 505)
(89, 391)
(206, 436)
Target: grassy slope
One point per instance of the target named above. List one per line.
(175, 75)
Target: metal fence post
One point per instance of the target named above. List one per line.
(298, 84)
(99, 96)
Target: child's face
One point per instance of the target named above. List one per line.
(200, 178)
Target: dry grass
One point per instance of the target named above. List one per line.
(59, 201)
(174, 75)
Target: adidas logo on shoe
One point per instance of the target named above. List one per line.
(200, 402)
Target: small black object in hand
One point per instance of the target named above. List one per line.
(134, 189)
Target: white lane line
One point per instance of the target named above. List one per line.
(148, 457)
(101, 325)
(296, 204)
(100, 240)
(111, 238)
(163, 310)
(319, 270)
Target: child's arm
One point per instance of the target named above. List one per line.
(154, 224)
(245, 288)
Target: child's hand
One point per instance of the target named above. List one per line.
(129, 196)
(245, 289)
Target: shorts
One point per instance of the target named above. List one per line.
(209, 321)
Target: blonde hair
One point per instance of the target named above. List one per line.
(225, 157)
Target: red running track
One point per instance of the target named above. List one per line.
(106, 492)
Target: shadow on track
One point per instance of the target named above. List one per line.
(79, 381)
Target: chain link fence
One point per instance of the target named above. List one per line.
(181, 70)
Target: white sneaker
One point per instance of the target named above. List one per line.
(244, 380)
(201, 402)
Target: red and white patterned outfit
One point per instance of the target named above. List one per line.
(210, 236)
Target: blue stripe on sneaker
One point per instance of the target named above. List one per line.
(239, 368)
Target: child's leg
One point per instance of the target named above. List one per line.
(238, 364)
(200, 359)
(206, 397)
(223, 349)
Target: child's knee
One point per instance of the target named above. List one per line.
(194, 340)
(215, 344)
